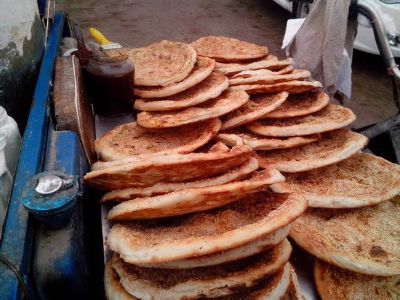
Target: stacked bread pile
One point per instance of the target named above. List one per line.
(197, 219)
(191, 217)
(353, 225)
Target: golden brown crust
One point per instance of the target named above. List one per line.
(219, 280)
(131, 139)
(240, 136)
(363, 240)
(112, 286)
(162, 63)
(228, 49)
(360, 180)
(201, 70)
(167, 168)
(223, 104)
(253, 109)
(237, 173)
(300, 105)
(272, 64)
(206, 232)
(292, 87)
(329, 118)
(209, 88)
(333, 147)
(297, 74)
(334, 283)
(193, 200)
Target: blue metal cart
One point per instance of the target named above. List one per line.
(51, 244)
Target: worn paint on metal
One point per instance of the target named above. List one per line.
(17, 240)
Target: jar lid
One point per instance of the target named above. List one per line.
(103, 58)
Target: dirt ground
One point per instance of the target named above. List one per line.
(135, 23)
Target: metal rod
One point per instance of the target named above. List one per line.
(380, 36)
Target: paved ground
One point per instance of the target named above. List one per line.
(138, 22)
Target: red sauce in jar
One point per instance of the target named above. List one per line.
(110, 83)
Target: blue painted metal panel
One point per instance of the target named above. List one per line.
(61, 266)
(16, 244)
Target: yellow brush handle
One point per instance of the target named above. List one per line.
(99, 37)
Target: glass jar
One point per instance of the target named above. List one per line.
(110, 83)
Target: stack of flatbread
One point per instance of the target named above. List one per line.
(192, 218)
(230, 148)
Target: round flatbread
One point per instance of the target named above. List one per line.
(234, 254)
(223, 48)
(330, 118)
(237, 173)
(206, 232)
(276, 287)
(268, 63)
(223, 104)
(270, 78)
(334, 283)
(360, 180)
(201, 70)
(292, 87)
(239, 136)
(262, 72)
(209, 88)
(193, 200)
(364, 240)
(220, 280)
(113, 288)
(167, 168)
(300, 105)
(333, 147)
(131, 139)
(162, 63)
(253, 109)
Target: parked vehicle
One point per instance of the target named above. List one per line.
(388, 10)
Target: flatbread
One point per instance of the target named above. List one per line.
(271, 288)
(252, 248)
(220, 280)
(162, 188)
(300, 105)
(162, 63)
(223, 104)
(201, 70)
(333, 147)
(239, 136)
(292, 87)
(364, 240)
(130, 139)
(330, 118)
(209, 88)
(209, 147)
(276, 287)
(253, 109)
(167, 168)
(114, 290)
(262, 72)
(193, 200)
(360, 180)
(268, 63)
(206, 232)
(271, 78)
(334, 283)
(294, 292)
(223, 48)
